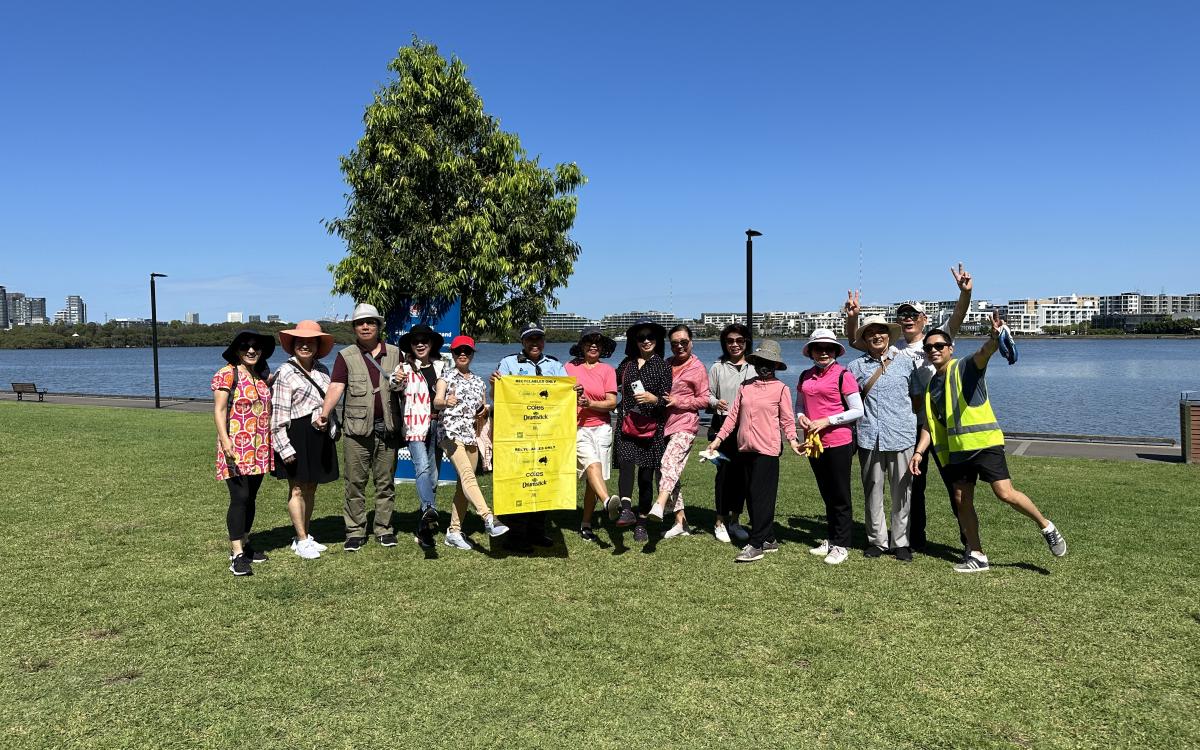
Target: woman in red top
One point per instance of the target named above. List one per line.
(761, 412)
(827, 401)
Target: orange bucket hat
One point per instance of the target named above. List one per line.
(306, 329)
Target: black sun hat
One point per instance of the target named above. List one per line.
(435, 339)
(265, 342)
(607, 345)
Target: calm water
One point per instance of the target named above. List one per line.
(1109, 387)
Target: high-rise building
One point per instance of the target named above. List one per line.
(233, 317)
(255, 318)
(18, 310)
(273, 319)
(75, 312)
(3, 308)
(192, 318)
(37, 311)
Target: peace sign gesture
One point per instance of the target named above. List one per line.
(962, 278)
(853, 302)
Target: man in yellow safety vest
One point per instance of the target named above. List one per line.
(967, 441)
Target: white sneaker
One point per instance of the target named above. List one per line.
(676, 530)
(836, 555)
(295, 542)
(455, 539)
(656, 511)
(613, 507)
(821, 550)
(306, 550)
(721, 533)
(494, 527)
(313, 540)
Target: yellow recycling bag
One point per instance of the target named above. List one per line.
(533, 448)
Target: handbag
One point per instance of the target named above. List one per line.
(638, 425)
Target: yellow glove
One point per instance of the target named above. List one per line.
(813, 446)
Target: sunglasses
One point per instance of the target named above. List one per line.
(875, 334)
(463, 351)
(249, 346)
(740, 341)
(823, 349)
(646, 337)
(910, 315)
(938, 346)
(680, 343)
(420, 342)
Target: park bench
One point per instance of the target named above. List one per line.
(22, 388)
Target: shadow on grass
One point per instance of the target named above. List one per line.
(1160, 457)
(1023, 566)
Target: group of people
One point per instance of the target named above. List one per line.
(905, 397)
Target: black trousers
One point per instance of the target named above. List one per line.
(949, 491)
(243, 490)
(832, 470)
(645, 483)
(525, 527)
(761, 477)
(729, 489)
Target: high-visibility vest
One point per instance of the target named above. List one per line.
(966, 428)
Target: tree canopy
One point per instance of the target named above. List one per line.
(444, 204)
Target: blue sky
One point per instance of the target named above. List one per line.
(1052, 147)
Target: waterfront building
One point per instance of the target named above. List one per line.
(273, 319)
(1032, 315)
(255, 319)
(620, 322)
(565, 321)
(233, 317)
(192, 318)
(18, 311)
(74, 313)
(35, 311)
(834, 320)
(4, 325)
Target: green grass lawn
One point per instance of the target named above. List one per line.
(123, 628)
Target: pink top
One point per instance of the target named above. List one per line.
(249, 424)
(818, 395)
(689, 387)
(761, 410)
(597, 382)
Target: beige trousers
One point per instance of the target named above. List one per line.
(465, 458)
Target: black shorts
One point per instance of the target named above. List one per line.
(987, 464)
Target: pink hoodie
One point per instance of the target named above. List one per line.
(689, 387)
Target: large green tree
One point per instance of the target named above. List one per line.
(443, 203)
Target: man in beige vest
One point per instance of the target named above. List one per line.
(371, 423)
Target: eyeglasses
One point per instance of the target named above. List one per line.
(643, 338)
(740, 341)
(680, 343)
(938, 346)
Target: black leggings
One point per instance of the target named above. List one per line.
(832, 471)
(729, 490)
(645, 482)
(761, 475)
(242, 492)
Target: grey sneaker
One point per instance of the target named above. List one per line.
(1054, 538)
(749, 553)
(456, 539)
(494, 527)
(972, 565)
(771, 546)
(613, 507)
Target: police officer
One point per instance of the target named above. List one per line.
(528, 529)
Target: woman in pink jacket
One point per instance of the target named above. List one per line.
(689, 394)
(762, 413)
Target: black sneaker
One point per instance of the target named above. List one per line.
(626, 517)
(254, 555)
(427, 526)
(387, 540)
(873, 551)
(354, 544)
(588, 535)
(240, 566)
(640, 534)
(903, 554)
(972, 565)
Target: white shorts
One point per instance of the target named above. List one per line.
(594, 445)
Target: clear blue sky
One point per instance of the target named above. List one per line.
(1053, 147)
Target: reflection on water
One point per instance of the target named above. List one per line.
(1111, 387)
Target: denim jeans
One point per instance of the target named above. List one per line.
(426, 456)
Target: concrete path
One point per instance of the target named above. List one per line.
(1019, 445)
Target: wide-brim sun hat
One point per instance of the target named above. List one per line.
(607, 345)
(893, 329)
(768, 351)
(266, 346)
(363, 311)
(435, 339)
(823, 336)
(660, 332)
(306, 329)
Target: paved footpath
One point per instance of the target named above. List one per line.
(1020, 445)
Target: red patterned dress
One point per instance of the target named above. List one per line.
(249, 424)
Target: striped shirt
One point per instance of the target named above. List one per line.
(292, 397)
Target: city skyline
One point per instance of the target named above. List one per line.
(999, 136)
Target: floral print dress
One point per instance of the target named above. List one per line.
(249, 424)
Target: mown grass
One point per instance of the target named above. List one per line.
(122, 627)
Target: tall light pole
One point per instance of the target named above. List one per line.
(750, 235)
(154, 332)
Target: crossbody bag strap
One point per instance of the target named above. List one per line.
(307, 377)
(878, 374)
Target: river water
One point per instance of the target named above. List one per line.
(1087, 386)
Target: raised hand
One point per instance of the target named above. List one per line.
(853, 302)
(997, 323)
(962, 277)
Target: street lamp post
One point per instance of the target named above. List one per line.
(154, 333)
(750, 235)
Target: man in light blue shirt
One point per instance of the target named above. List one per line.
(528, 529)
